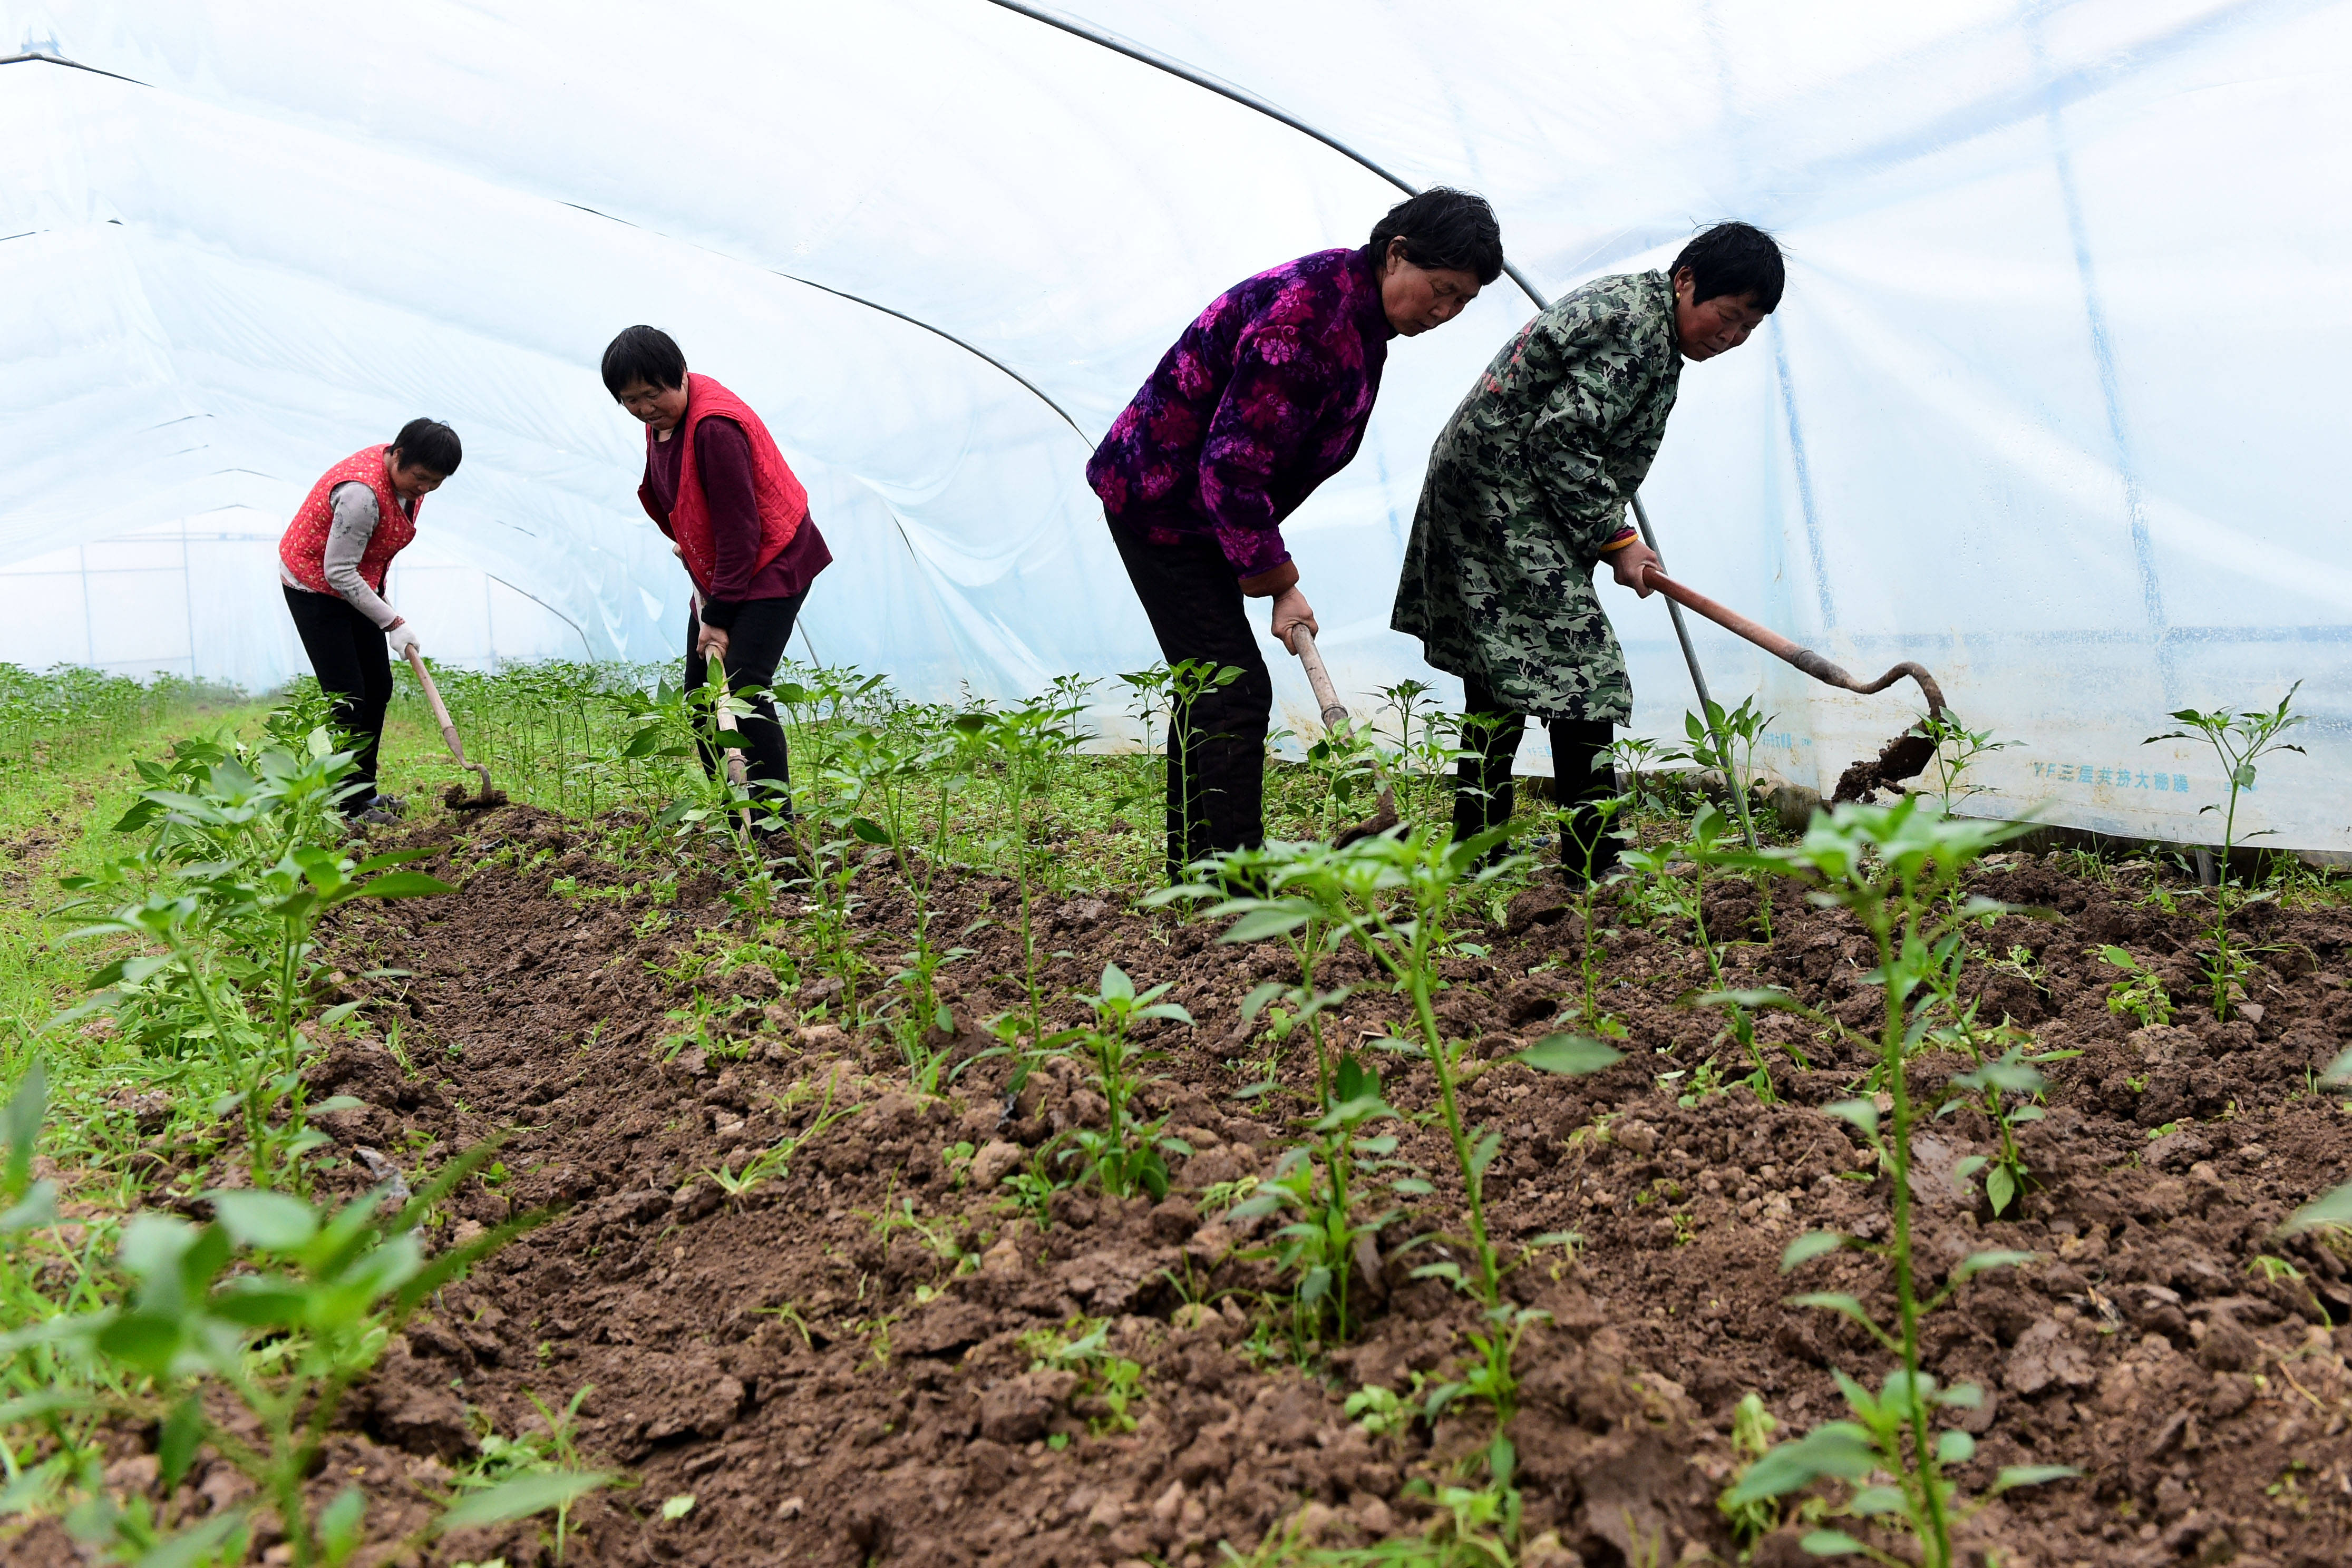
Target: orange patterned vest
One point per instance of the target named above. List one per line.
(303, 550)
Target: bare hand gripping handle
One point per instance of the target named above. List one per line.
(1805, 658)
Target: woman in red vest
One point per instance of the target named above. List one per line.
(717, 486)
(361, 514)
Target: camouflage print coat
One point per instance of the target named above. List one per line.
(1528, 482)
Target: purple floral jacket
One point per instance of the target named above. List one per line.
(1261, 398)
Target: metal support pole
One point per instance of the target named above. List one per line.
(1699, 677)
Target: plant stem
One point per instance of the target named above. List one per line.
(1937, 1545)
(1417, 980)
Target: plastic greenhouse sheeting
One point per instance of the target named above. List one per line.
(2050, 406)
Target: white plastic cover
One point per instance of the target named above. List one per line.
(2051, 404)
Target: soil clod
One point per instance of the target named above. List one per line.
(1904, 756)
(458, 797)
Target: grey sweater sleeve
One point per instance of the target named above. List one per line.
(347, 539)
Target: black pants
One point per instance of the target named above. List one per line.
(755, 645)
(1580, 767)
(349, 656)
(1216, 745)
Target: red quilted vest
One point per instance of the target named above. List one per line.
(303, 550)
(782, 499)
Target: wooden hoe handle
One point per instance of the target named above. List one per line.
(1805, 658)
(1327, 696)
(440, 709)
(737, 772)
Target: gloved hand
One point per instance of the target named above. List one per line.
(403, 638)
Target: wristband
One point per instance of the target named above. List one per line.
(1619, 540)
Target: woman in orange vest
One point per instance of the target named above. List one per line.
(332, 559)
(716, 484)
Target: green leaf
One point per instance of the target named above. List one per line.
(1954, 1447)
(1976, 1263)
(527, 1495)
(1835, 1301)
(1871, 1501)
(1483, 1151)
(176, 1447)
(2001, 1188)
(261, 1301)
(198, 1544)
(2340, 1070)
(48, 1401)
(1809, 1246)
(339, 1525)
(1573, 1055)
(271, 1220)
(37, 1208)
(1831, 1543)
(146, 1340)
(1863, 1113)
(2333, 1210)
(2029, 1475)
(1837, 1448)
(679, 1507)
(23, 1121)
(1763, 998)
(868, 830)
(1274, 920)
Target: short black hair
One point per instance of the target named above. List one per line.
(429, 444)
(645, 354)
(1734, 258)
(1445, 229)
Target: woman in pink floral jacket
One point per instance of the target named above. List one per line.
(1263, 397)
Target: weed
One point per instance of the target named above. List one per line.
(1752, 1427)
(1110, 1382)
(775, 1161)
(2139, 993)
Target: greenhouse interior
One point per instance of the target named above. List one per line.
(897, 1153)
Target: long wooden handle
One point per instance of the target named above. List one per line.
(738, 771)
(1780, 647)
(440, 709)
(1327, 696)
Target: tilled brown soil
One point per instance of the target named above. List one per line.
(832, 1390)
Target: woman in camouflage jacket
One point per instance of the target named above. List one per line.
(1526, 494)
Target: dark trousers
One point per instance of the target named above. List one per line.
(349, 656)
(1216, 743)
(1580, 774)
(755, 646)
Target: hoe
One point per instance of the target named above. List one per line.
(455, 796)
(1901, 757)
